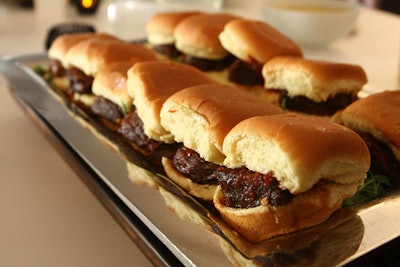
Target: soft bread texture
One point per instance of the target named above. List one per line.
(201, 116)
(151, 83)
(92, 55)
(110, 82)
(300, 150)
(304, 210)
(64, 42)
(251, 40)
(160, 27)
(315, 79)
(203, 191)
(198, 35)
(377, 114)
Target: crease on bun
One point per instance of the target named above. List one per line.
(300, 150)
(315, 79)
(201, 116)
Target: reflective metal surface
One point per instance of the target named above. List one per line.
(192, 231)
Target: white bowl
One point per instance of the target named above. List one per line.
(311, 22)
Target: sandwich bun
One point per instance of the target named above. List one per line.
(64, 42)
(201, 116)
(92, 55)
(315, 79)
(110, 82)
(198, 35)
(150, 83)
(160, 27)
(377, 114)
(304, 210)
(251, 40)
(299, 150)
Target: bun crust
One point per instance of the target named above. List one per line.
(317, 80)
(110, 82)
(151, 83)
(92, 55)
(160, 27)
(377, 114)
(251, 40)
(300, 150)
(304, 210)
(198, 35)
(63, 43)
(201, 116)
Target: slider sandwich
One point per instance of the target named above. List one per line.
(86, 58)
(377, 119)
(160, 32)
(196, 37)
(149, 84)
(112, 98)
(59, 49)
(199, 117)
(253, 43)
(312, 86)
(286, 172)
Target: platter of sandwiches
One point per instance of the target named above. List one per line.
(224, 140)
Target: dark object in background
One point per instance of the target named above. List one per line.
(86, 6)
(60, 29)
(391, 6)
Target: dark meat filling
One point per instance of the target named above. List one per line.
(207, 64)
(241, 72)
(79, 82)
(243, 188)
(306, 105)
(167, 49)
(190, 164)
(56, 68)
(106, 109)
(383, 161)
(132, 129)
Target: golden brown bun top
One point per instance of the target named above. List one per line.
(300, 150)
(198, 35)
(201, 116)
(251, 40)
(160, 27)
(151, 83)
(110, 82)
(378, 114)
(315, 79)
(92, 55)
(63, 43)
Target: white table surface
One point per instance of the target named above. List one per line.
(48, 216)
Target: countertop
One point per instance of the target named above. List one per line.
(48, 216)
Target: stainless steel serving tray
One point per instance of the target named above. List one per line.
(185, 232)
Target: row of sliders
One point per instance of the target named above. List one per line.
(267, 171)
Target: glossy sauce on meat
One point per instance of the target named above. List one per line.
(79, 82)
(56, 68)
(168, 50)
(243, 188)
(189, 163)
(207, 64)
(106, 109)
(246, 73)
(306, 105)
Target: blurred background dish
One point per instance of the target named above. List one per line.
(312, 22)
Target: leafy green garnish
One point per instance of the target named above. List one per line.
(124, 108)
(374, 185)
(42, 72)
(283, 103)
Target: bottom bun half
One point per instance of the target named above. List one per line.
(304, 210)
